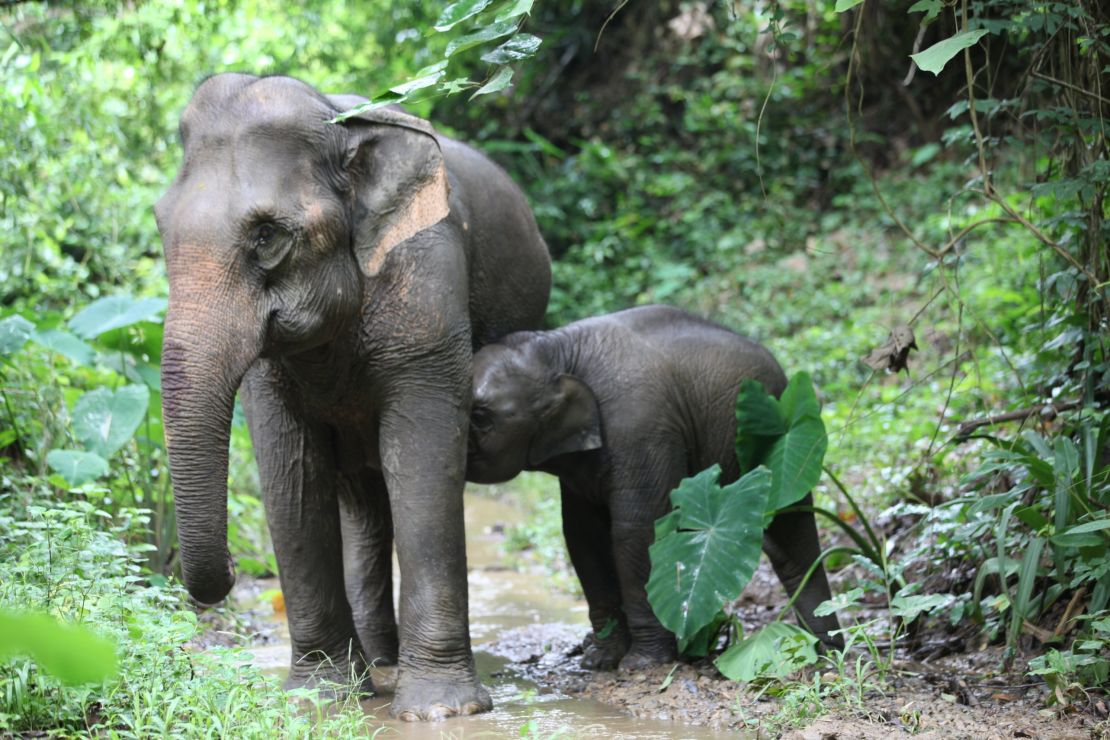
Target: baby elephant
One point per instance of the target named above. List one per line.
(621, 408)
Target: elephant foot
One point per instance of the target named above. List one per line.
(380, 650)
(644, 656)
(333, 680)
(426, 700)
(604, 654)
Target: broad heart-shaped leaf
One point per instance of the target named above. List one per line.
(456, 13)
(489, 33)
(496, 84)
(711, 555)
(759, 421)
(104, 420)
(520, 46)
(775, 651)
(112, 312)
(799, 400)
(70, 652)
(65, 344)
(14, 333)
(795, 461)
(77, 466)
(939, 54)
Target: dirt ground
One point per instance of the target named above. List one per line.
(961, 695)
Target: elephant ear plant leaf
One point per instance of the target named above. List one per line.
(105, 420)
(787, 435)
(706, 549)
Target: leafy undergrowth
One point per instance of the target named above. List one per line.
(72, 561)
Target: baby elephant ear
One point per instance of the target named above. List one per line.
(571, 423)
(398, 182)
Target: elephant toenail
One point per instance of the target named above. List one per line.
(408, 716)
(471, 707)
(439, 712)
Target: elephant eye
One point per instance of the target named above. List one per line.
(269, 242)
(481, 419)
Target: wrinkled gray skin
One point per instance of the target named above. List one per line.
(622, 407)
(315, 267)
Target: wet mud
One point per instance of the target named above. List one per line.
(527, 638)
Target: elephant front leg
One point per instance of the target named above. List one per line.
(299, 486)
(587, 532)
(423, 450)
(792, 545)
(368, 563)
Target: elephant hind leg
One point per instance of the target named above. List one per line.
(367, 529)
(792, 545)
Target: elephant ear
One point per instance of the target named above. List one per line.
(570, 423)
(398, 182)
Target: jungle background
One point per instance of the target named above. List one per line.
(780, 167)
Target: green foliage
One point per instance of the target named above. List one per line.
(775, 651)
(786, 435)
(71, 653)
(71, 560)
(706, 549)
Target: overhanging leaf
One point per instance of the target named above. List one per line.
(112, 312)
(69, 652)
(498, 83)
(939, 54)
(105, 420)
(520, 46)
(713, 552)
(842, 5)
(775, 651)
(14, 333)
(515, 10)
(77, 466)
(489, 33)
(426, 77)
(456, 13)
(65, 344)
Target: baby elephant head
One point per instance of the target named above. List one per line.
(525, 413)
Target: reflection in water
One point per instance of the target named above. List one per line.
(501, 600)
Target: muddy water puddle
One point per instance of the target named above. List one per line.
(503, 602)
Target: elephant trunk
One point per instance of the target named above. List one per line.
(204, 358)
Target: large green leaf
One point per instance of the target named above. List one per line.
(489, 33)
(713, 551)
(515, 9)
(456, 13)
(775, 651)
(787, 435)
(14, 333)
(497, 83)
(795, 460)
(69, 652)
(112, 312)
(105, 420)
(520, 46)
(939, 54)
(64, 343)
(77, 466)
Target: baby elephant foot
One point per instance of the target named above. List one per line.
(603, 654)
(642, 655)
(432, 701)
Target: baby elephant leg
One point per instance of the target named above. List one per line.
(792, 545)
(634, 511)
(586, 529)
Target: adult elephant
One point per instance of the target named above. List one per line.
(341, 277)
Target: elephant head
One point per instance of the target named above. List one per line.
(525, 412)
(275, 221)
